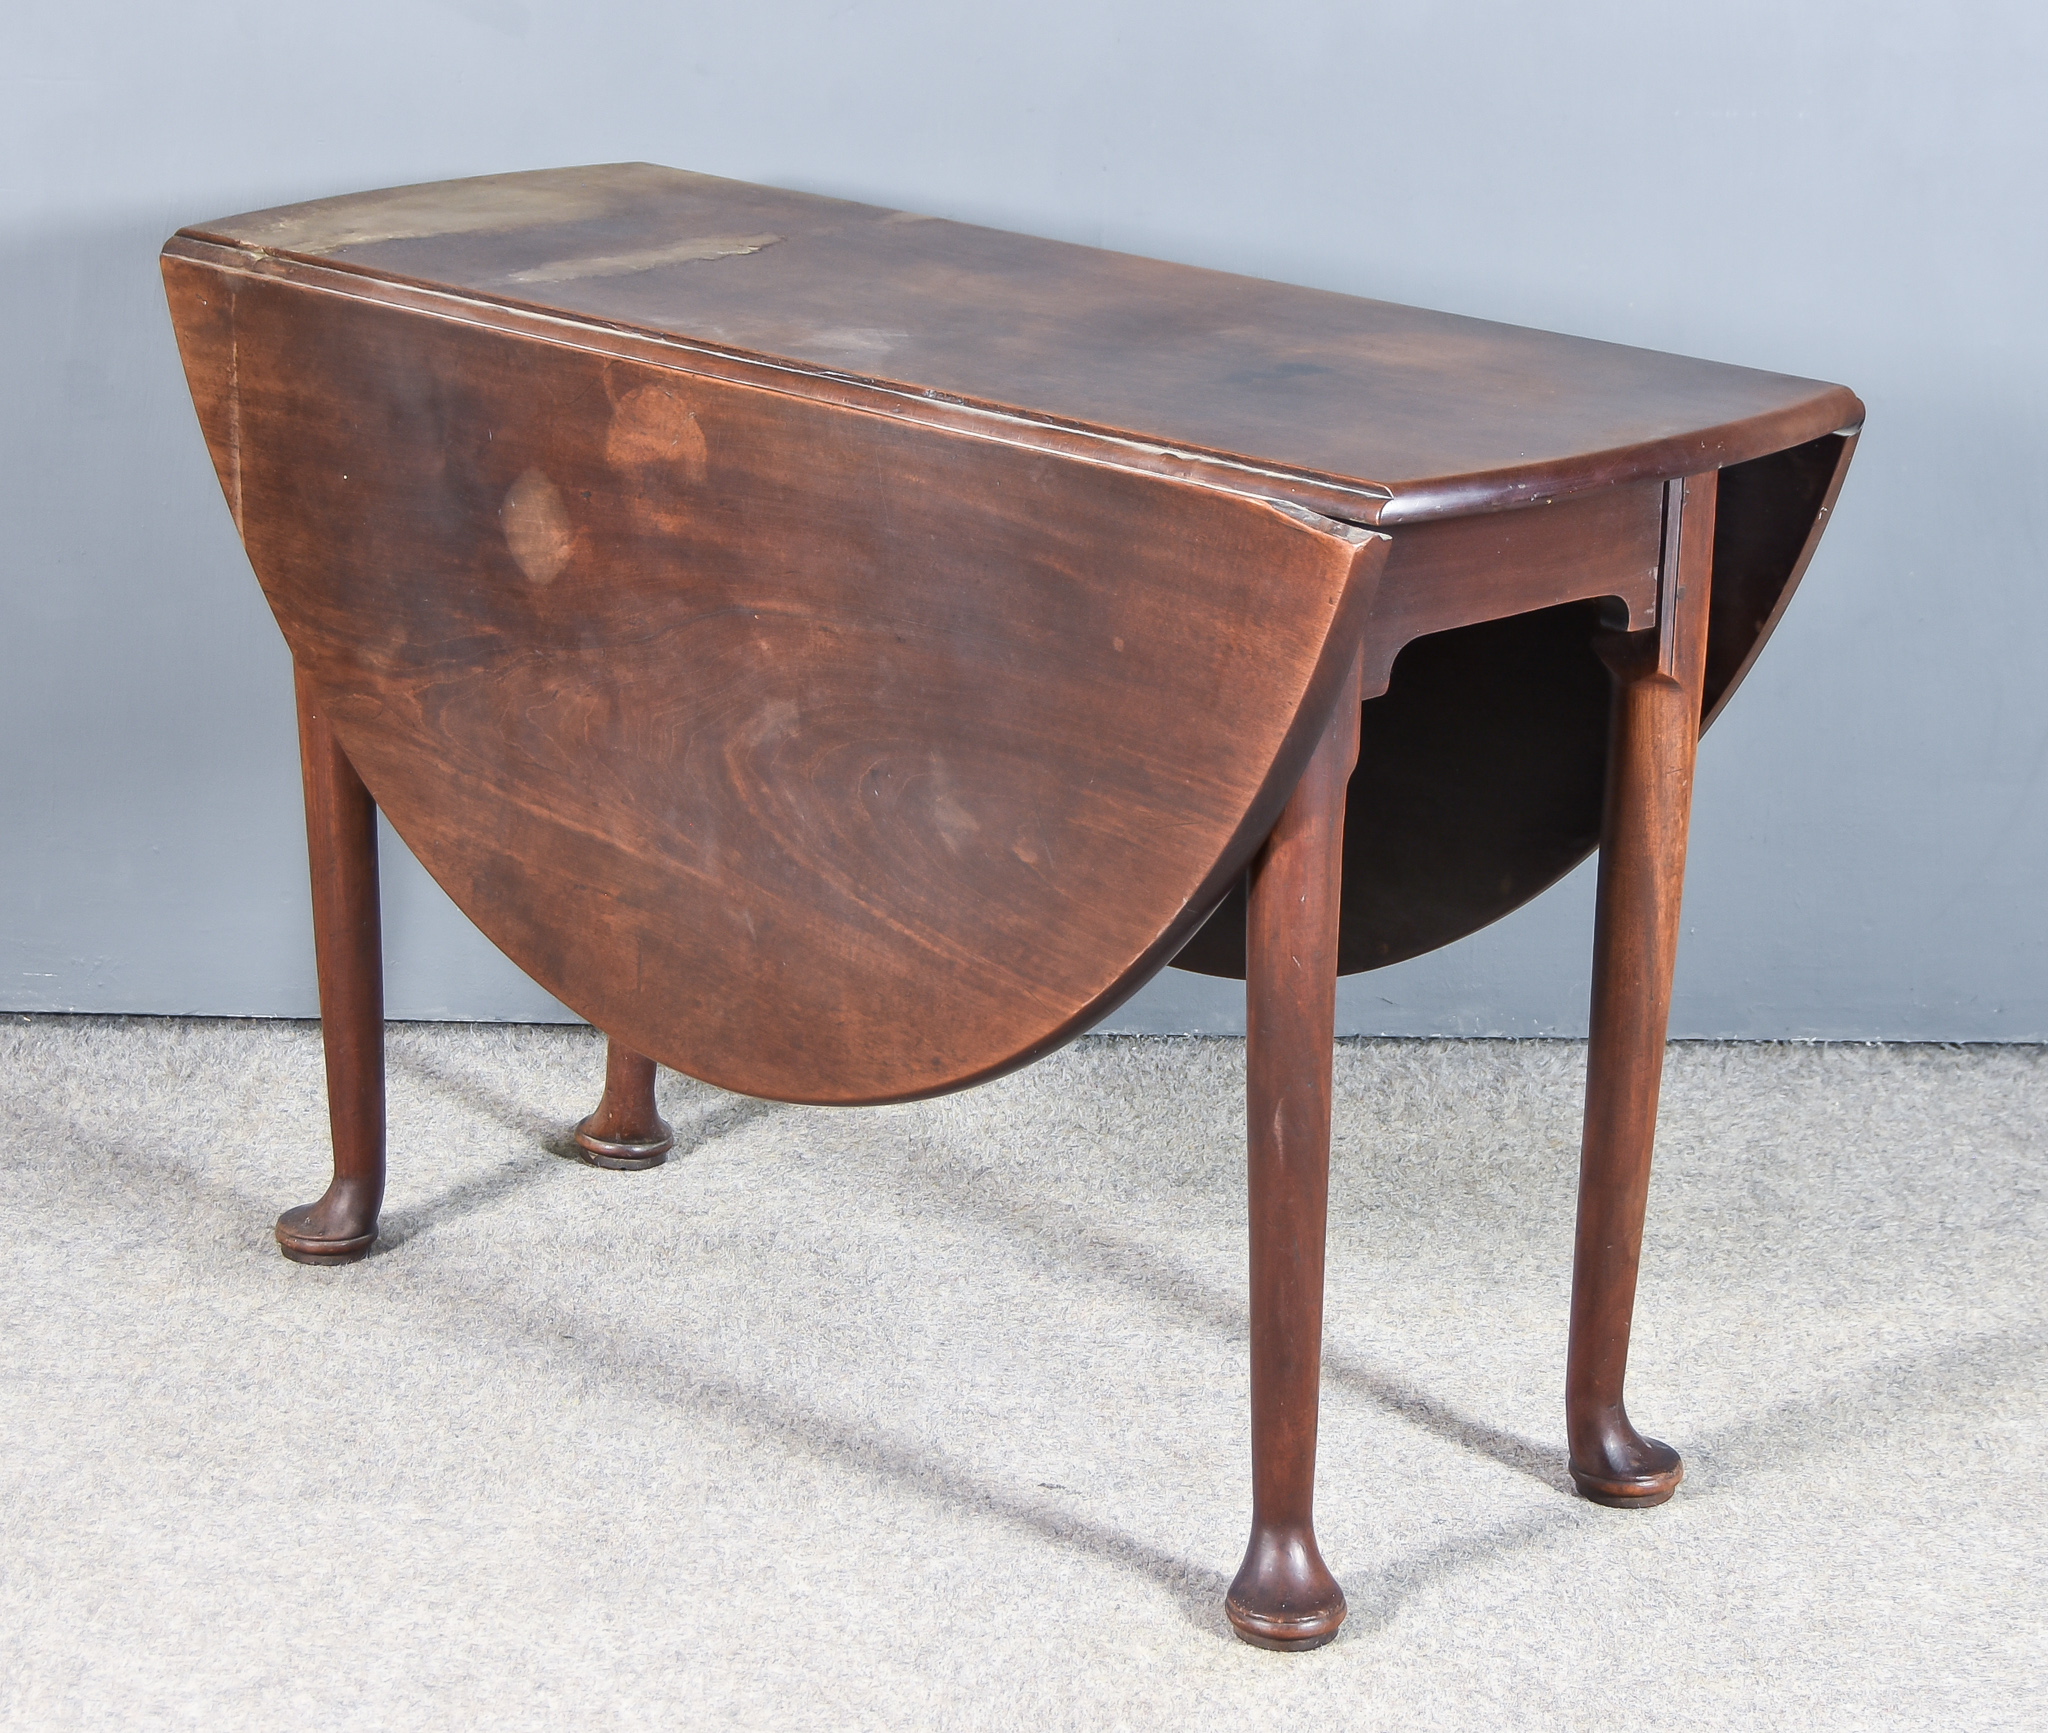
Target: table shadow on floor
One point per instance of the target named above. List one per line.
(1951, 1372)
(1100, 1256)
(713, 1120)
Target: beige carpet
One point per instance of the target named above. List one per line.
(935, 1415)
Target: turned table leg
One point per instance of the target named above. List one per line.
(1284, 1596)
(625, 1131)
(1656, 719)
(341, 845)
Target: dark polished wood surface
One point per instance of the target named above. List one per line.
(1648, 804)
(627, 1132)
(845, 655)
(1284, 1596)
(348, 950)
(1362, 409)
(824, 756)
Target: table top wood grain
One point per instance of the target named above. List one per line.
(845, 654)
(1360, 409)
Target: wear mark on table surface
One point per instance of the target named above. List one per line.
(653, 424)
(484, 206)
(855, 340)
(702, 247)
(537, 527)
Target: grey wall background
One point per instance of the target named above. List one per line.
(1836, 188)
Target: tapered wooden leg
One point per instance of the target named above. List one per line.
(1656, 717)
(1284, 1596)
(625, 1131)
(341, 843)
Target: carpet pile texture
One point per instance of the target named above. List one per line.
(935, 1415)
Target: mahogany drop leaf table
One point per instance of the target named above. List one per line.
(844, 655)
